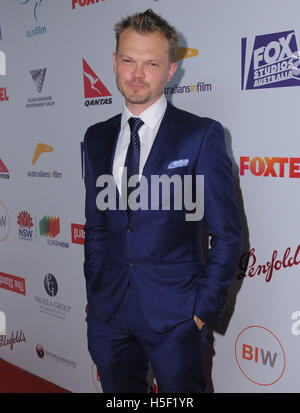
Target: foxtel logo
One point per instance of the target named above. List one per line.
(273, 62)
(2, 64)
(83, 3)
(276, 167)
(93, 87)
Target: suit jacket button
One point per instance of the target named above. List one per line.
(129, 263)
(129, 229)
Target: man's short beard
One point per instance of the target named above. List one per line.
(138, 100)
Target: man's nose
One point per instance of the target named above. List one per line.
(138, 71)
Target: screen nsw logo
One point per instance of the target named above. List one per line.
(270, 60)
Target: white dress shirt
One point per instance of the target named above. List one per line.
(152, 118)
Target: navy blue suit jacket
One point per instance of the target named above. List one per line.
(159, 252)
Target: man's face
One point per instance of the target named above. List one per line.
(142, 68)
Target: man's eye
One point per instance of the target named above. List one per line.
(152, 64)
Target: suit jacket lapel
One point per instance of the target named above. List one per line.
(113, 135)
(161, 142)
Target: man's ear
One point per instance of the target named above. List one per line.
(115, 62)
(172, 70)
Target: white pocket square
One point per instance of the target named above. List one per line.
(179, 163)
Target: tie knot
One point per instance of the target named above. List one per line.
(135, 124)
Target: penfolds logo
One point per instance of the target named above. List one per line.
(250, 268)
(14, 338)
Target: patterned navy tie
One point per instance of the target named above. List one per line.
(132, 161)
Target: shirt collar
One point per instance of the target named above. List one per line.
(151, 116)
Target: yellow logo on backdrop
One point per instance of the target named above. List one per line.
(185, 52)
(40, 148)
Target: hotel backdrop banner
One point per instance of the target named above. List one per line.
(238, 63)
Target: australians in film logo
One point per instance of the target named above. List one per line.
(95, 92)
(35, 7)
(270, 60)
(192, 87)
(38, 78)
(42, 148)
(260, 355)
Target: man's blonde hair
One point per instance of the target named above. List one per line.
(148, 22)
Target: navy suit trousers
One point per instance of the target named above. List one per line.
(123, 346)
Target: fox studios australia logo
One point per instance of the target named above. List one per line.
(273, 62)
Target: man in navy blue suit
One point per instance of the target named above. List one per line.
(150, 291)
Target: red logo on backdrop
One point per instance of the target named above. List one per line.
(78, 234)
(12, 283)
(3, 94)
(93, 87)
(250, 268)
(3, 167)
(259, 355)
(25, 220)
(83, 3)
(14, 338)
(276, 167)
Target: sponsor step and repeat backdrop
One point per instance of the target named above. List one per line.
(238, 62)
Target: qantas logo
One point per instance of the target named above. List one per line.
(4, 172)
(93, 87)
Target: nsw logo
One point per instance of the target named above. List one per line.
(25, 226)
(270, 60)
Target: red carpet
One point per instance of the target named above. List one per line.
(15, 380)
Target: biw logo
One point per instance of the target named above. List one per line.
(271, 60)
(260, 355)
